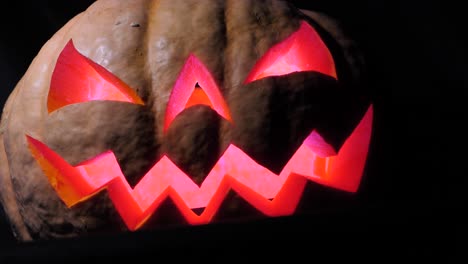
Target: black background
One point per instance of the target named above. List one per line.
(413, 195)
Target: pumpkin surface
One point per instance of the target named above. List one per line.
(146, 43)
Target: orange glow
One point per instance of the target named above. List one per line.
(182, 95)
(271, 194)
(303, 51)
(77, 79)
(198, 97)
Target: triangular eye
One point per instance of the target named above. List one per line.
(77, 79)
(304, 50)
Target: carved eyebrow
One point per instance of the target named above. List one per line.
(303, 50)
(77, 79)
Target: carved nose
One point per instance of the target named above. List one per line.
(195, 86)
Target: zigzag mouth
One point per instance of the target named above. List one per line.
(270, 193)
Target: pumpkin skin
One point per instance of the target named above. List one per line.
(145, 43)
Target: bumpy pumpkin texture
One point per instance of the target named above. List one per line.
(145, 43)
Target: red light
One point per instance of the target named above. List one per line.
(304, 50)
(184, 94)
(77, 79)
(273, 195)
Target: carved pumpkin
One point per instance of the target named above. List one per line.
(135, 103)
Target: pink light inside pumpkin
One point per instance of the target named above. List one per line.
(77, 79)
(185, 94)
(272, 194)
(303, 50)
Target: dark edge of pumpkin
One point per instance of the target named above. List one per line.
(7, 195)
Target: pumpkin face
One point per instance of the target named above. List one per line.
(182, 101)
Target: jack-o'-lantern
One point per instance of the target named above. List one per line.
(134, 103)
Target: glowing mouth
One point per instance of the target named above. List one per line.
(272, 194)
